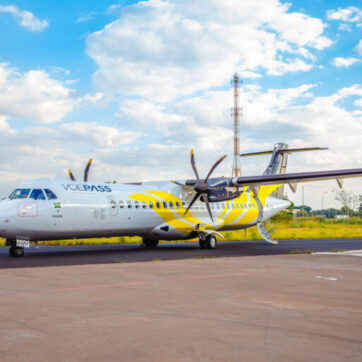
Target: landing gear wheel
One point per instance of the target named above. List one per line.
(211, 242)
(16, 251)
(149, 243)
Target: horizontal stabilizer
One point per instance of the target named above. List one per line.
(290, 150)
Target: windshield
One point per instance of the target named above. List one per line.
(37, 194)
(19, 194)
(50, 194)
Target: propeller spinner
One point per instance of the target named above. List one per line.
(202, 188)
(86, 172)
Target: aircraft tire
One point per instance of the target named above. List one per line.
(16, 251)
(211, 242)
(149, 243)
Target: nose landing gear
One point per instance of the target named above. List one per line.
(16, 251)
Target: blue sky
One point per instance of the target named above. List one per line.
(137, 84)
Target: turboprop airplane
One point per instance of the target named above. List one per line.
(166, 210)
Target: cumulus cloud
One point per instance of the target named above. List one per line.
(33, 95)
(351, 14)
(344, 62)
(25, 18)
(358, 48)
(162, 50)
(43, 152)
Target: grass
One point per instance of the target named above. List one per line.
(286, 228)
(300, 252)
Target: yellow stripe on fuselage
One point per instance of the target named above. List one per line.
(187, 223)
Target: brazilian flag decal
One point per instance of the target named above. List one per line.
(57, 205)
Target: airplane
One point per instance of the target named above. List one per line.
(166, 210)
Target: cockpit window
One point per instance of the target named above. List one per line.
(50, 194)
(37, 194)
(19, 194)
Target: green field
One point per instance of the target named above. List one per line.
(285, 228)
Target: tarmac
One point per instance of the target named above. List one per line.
(206, 306)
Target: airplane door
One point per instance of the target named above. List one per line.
(112, 204)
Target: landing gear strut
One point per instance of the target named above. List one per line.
(208, 242)
(16, 251)
(149, 243)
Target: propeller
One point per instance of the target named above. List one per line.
(202, 187)
(86, 172)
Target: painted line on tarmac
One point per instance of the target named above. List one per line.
(118, 285)
(346, 252)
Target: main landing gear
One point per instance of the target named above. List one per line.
(208, 242)
(149, 243)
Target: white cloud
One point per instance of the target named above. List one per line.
(351, 14)
(33, 95)
(86, 17)
(25, 18)
(43, 152)
(358, 48)
(162, 50)
(95, 98)
(344, 62)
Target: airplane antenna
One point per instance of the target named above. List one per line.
(236, 112)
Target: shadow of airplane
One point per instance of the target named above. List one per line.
(45, 256)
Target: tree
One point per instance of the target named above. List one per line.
(348, 201)
(360, 206)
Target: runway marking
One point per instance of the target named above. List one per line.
(346, 252)
(327, 278)
(118, 285)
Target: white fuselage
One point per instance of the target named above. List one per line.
(154, 209)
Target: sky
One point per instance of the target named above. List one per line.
(137, 84)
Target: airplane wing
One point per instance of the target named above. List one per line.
(293, 178)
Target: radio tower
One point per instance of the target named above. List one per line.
(236, 113)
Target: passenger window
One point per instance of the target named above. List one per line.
(177, 205)
(245, 205)
(232, 206)
(165, 204)
(121, 204)
(19, 194)
(171, 205)
(237, 206)
(113, 204)
(136, 204)
(150, 204)
(50, 194)
(144, 205)
(183, 204)
(228, 206)
(158, 205)
(129, 204)
(37, 194)
(217, 205)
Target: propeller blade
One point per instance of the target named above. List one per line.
(206, 199)
(184, 187)
(71, 176)
(86, 171)
(194, 165)
(213, 167)
(192, 202)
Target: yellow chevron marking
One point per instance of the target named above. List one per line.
(182, 222)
